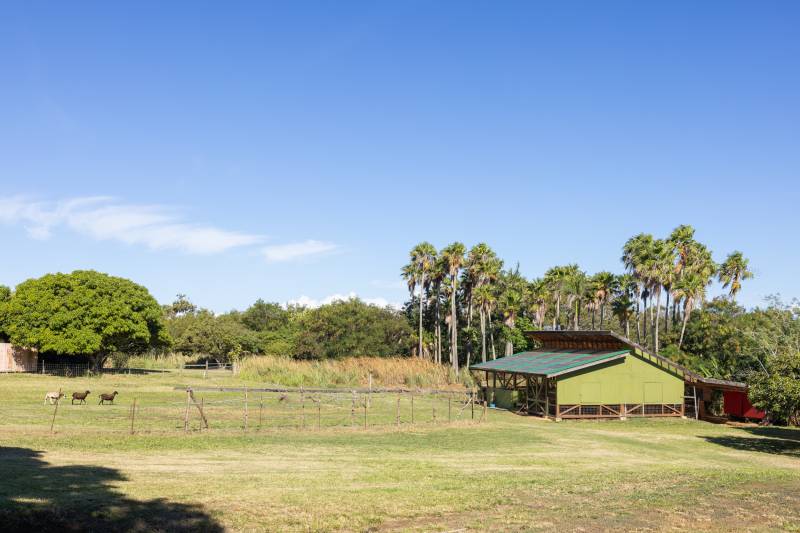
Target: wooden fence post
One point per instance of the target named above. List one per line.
(260, 410)
(186, 413)
(302, 408)
(133, 414)
(319, 413)
(246, 414)
(58, 400)
(353, 409)
(365, 411)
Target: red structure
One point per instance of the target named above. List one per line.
(737, 404)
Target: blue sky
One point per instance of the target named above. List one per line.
(258, 150)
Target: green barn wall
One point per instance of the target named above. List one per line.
(629, 380)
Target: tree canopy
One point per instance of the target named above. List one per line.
(83, 313)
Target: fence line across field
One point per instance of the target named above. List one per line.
(259, 411)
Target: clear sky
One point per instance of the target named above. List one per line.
(234, 151)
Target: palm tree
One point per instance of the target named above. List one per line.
(732, 271)
(661, 267)
(577, 286)
(485, 300)
(482, 267)
(422, 258)
(513, 288)
(538, 298)
(682, 240)
(623, 308)
(437, 275)
(605, 284)
(691, 287)
(453, 257)
(635, 256)
(556, 278)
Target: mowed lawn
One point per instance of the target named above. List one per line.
(506, 473)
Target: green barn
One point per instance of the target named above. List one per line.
(590, 374)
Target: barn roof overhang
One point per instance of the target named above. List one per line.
(550, 363)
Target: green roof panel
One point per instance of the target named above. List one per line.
(550, 362)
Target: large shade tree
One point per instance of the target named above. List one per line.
(84, 313)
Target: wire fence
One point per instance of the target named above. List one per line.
(246, 411)
(73, 369)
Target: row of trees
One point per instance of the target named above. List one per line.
(97, 316)
(664, 281)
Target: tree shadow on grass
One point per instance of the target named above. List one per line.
(775, 440)
(36, 496)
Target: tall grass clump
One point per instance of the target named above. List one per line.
(387, 372)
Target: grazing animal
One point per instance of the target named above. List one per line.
(53, 397)
(107, 397)
(80, 396)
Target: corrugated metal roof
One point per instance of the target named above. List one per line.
(550, 362)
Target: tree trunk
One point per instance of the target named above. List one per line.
(602, 312)
(658, 321)
(627, 329)
(454, 328)
(483, 335)
(421, 312)
(558, 310)
(510, 345)
(666, 313)
(491, 336)
(638, 326)
(686, 312)
(438, 329)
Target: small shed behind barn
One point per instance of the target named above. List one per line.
(17, 359)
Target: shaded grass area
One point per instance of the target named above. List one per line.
(509, 473)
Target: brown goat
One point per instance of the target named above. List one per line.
(107, 397)
(80, 396)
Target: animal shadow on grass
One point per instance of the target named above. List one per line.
(779, 441)
(36, 496)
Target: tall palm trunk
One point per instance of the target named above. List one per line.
(483, 335)
(602, 313)
(558, 310)
(594, 311)
(666, 312)
(658, 320)
(421, 312)
(638, 327)
(453, 328)
(491, 335)
(686, 311)
(438, 330)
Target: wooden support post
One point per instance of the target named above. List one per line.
(55, 410)
(472, 403)
(319, 413)
(246, 414)
(133, 414)
(190, 396)
(186, 413)
(353, 409)
(260, 410)
(365, 412)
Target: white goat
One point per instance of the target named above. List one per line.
(53, 397)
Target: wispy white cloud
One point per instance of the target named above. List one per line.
(288, 252)
(102, 218)
(306, 301)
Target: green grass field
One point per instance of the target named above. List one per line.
(506, 473)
